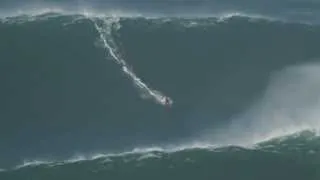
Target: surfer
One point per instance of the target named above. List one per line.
(167, 101)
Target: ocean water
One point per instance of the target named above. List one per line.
(159, 90)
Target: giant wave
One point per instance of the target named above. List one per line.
(288, 105)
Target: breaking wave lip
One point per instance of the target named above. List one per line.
(288, 107)
(30, 15)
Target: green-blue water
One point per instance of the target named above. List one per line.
(69, 110)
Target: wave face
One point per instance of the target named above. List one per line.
(243, 97)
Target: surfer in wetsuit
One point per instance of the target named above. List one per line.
(167, 101)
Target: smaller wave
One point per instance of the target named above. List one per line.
(302, 142)
(137, 154)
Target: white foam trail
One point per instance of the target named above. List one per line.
(105, 30)
(290, 105)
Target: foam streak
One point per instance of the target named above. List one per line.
(105, 32)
